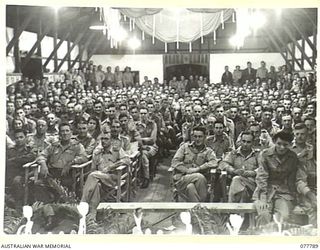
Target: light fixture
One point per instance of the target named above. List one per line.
(134, 43)
(97, 27)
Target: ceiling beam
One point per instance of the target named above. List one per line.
(35, 46)
(18, 31)
(274, 42)
(81, 50)
(289, 32)
(75, 43)
(303, 36)
(97, 45)
(294, 59)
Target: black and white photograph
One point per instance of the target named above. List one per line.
(160, 121)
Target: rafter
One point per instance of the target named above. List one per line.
(294, 59)
(80, 53)
(19, 30)
(35, 46)
(97, 45)
(289, 32)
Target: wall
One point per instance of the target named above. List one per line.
(148, 65)
(218, 61)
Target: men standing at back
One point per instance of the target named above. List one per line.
(227, 77)
(249, 73)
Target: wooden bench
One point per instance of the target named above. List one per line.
(228, 208)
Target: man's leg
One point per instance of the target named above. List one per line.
(240, 188)
(283, 207)
(197, 191)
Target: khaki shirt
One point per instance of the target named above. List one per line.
(276, 176)
(59, 156)
(103, 160)
(307, 174)
(220, 147)
(187, 156)
(88, 143)
(236, 160)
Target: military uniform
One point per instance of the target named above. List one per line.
(194, 185)
(241, 187)
(102, 172)
(88, 143)
(58, 157)
(276, 182)
(220, 146)
(307, 179)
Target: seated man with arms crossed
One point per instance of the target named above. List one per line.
(241, 163)
(106, 158)
(190, 163)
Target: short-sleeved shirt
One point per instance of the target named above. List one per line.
(220, 146)
(102, 159)
(275, 176)
(58, 155)
(236, 160)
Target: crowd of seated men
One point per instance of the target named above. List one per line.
(257, 125)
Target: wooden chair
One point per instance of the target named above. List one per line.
(31, 171)
(134, 171)
(121, 190)
(79, 172)
(219, 189)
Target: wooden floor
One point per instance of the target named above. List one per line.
(159, 189)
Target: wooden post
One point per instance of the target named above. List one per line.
(294, 59)
(303, 55)
(81, 48)
(79, 37)
(35, 46)
(289, 32)
(16, 50)
(56, 48)
(19, 28)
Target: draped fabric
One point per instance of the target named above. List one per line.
(138, 12)
(177, 25)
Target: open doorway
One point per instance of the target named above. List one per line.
(185, 70)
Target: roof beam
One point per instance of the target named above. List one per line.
(78, 39)
(97, 45)
(306, 38)
(56, 48)
(294, 59)
(274, 42)
(35, 46)
(289, 32)
(18, 31)
(81, 50)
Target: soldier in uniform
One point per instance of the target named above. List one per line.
(56, 161)
(117, 138)
(105, 160)
(241, 164)
(276, 179)
(16, 157)
(148, 131)
(228, 123)
(219, 141)
(307, 182)
(84, 137)
(191, 162)
(40, 140)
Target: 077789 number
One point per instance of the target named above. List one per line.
(309, 245)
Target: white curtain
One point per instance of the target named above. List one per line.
(177, 25)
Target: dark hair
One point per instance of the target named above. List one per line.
(63, 124)
(122, 115)
(82, 121)
(300, 126)
(267, 109)
(246, 133)
(310, 119)
(200, 128)
(20, 131)
(218, 122)
(283, 136)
